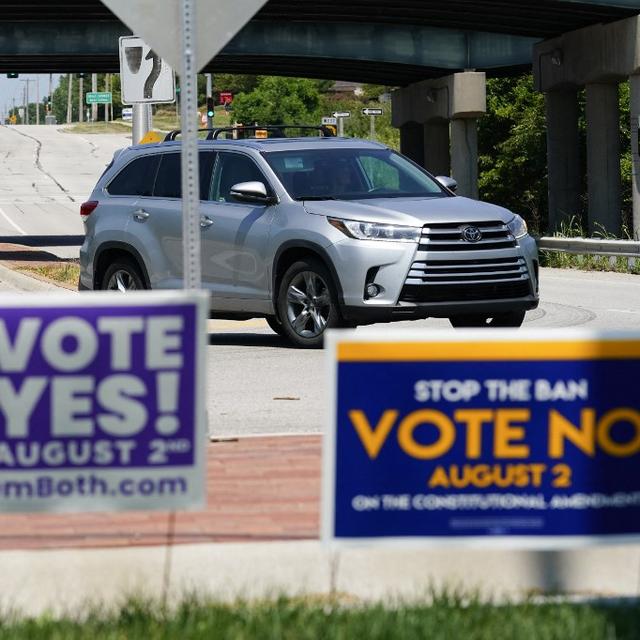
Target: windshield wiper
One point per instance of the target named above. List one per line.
(315, 198)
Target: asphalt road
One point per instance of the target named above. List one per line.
(256, 383)
(46, 175)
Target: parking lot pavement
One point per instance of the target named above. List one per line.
(259, 489)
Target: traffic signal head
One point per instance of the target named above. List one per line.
(210, 110)
(12, 75)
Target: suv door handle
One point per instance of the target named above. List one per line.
(141, 215)
(205, 221)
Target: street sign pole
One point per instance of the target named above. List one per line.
(190, 172)
(209, 95)
(372, 130)
(139, 121)
(341, 127)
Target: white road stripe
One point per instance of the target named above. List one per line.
(18, 228)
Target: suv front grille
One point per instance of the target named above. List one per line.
(467, 271)
(446, 236)
(466, 279)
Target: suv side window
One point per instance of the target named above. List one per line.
(231, 169)
(137, 178)
(169, 178)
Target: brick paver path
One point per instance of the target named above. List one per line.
(259, 489)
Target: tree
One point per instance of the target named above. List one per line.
(512, 149)
(277, 100)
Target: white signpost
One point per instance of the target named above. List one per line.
(187, 34)
(373, 114)
(341, 115)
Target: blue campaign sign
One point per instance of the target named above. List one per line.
(524, 438)
(101, 401)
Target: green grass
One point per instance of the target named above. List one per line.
(66, 273)
(448, 618)
(98, 127)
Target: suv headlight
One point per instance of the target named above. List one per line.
(517, 226)
(376, 230)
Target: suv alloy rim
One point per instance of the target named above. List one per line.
(308, 304)
(121, 280)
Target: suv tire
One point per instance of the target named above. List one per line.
(507, 319)
(276, 326)
(122, 275)
(307, 303)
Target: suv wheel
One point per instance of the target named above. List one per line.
(508, 319)
(122, 275)
(307, 303)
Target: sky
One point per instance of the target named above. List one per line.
(11, 88)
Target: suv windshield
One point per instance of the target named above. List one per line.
(350, 174)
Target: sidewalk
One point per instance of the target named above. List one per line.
(259, 489)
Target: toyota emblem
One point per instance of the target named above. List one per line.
(472, 234)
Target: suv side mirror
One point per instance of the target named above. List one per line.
(251, 192)
(447, 182)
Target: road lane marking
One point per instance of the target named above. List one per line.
(17, 227)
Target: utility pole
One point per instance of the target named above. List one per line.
(69, 93)
(94, 88)
(25, 99)
(80, 99)
(37, 99)
(50, 92)
(106, 104)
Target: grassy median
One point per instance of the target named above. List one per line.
(445, 619)
(65, 273)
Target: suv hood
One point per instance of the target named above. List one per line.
(410, 211)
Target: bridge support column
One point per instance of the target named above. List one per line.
(412, 141)
(437, 158)
(464, 156)
(456, 101)
(634, 87)
(603, 158)
(563, 157)
(596, 57)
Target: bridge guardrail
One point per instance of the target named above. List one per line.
(595, 246)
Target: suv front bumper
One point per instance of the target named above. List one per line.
(418, 284)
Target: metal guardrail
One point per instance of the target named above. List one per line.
(586, 246)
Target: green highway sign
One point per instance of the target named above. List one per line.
(99, 97)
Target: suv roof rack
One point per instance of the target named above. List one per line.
(324, 131)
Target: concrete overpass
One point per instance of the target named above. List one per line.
(386, 42)
(427, 47)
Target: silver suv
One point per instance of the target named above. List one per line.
(310, 233)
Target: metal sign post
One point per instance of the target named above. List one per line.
(341, 115)
(209, 95)
(192, 276)
(373, 113)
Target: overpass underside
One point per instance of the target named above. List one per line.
(392, 42)
(422, 46)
